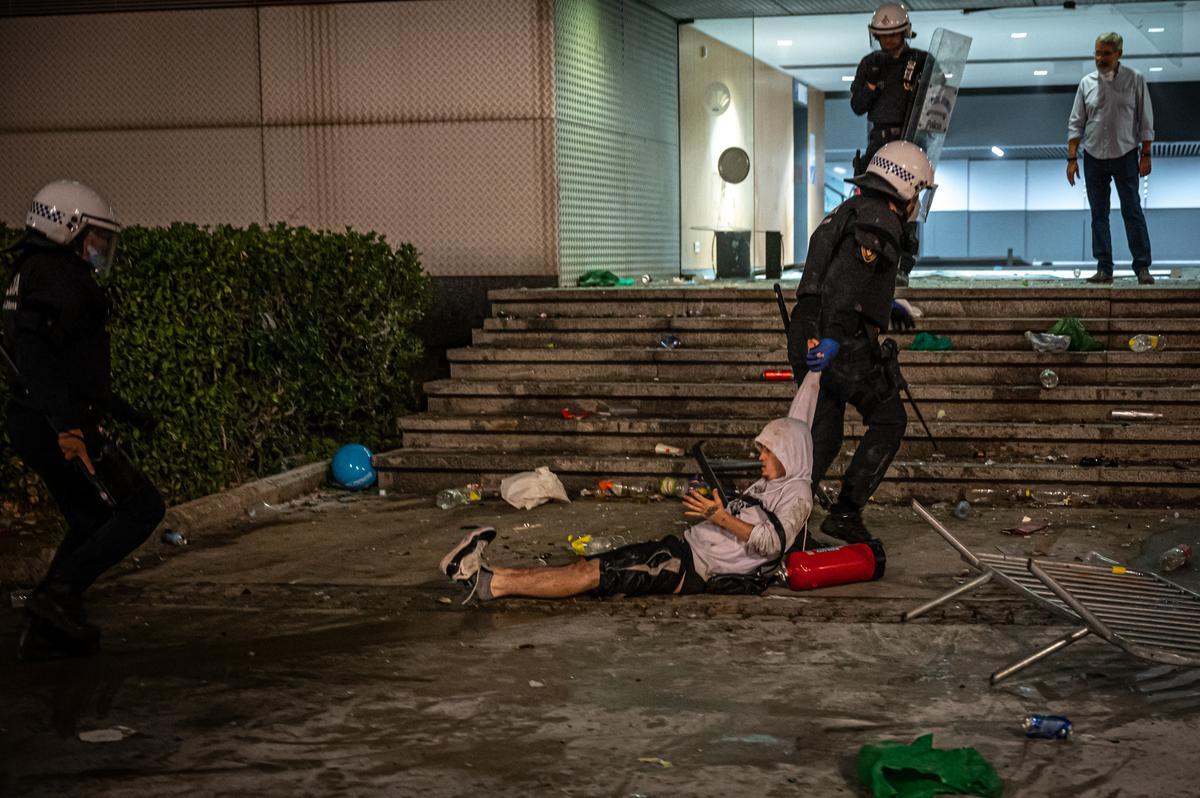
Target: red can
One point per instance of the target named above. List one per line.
(837, 565)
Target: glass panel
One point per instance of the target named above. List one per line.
(1047, 189)
(996, 186)
(952, 185)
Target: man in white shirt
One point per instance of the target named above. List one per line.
(1113, 118)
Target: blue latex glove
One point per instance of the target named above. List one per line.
(901, 318)
(821, 355)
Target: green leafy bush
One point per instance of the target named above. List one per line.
(255, 349)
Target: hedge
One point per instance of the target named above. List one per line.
(255, 349)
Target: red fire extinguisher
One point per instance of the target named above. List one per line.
(836, 565)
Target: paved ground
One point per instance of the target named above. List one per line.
(319, 654)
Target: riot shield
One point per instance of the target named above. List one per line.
(929, 117)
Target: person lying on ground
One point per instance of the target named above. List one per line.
(750, 533)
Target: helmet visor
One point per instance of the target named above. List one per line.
(924, 203)
(98, 247)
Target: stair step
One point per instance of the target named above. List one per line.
(1038, 301)
(427, 470)
(767, 332)
(760, 400)
(706, 365)
(730, 437)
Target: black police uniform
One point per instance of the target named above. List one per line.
(846, 293)
(55, 319)
(897, 83)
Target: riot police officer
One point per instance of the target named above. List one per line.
(55, 318)
(844, 300)
(885, 88)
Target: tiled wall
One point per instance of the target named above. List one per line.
(431, 122)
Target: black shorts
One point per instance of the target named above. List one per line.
(651, 568)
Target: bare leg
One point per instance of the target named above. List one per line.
(560, 582)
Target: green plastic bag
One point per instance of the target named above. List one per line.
(918, 770)
(927, 342)
(602, 278)
(1081, 340)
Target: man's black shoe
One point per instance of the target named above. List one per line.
(37, 641)
(846, 526)
(1100, 278)
(54, 607)
(1145, 278)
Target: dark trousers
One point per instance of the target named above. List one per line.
(856, 382)
(97, 537)
(1097, 172)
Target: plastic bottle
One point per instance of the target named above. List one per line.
(1134, 415)
(670, 342)
(623, 490)
(173, 538)
(1048, 378)
(1174, 558)
(1145, 343)
(587, 545)
(1096, 558)
(963, 509)
(668, 450)
(1046, 342)
(1049, 727)
(456, 497)
(778, 375)
(673, 486)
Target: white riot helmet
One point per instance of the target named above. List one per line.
(71, 214)
(890, 18)
(901, 169)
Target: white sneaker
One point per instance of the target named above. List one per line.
(463, 562)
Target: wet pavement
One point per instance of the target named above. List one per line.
(321, 654)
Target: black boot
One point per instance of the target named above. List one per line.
(56, 606)
(38, 641)
(846, 525)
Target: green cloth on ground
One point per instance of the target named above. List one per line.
(1081, 340)
(927, 342)
(602, 278)
(918, 770)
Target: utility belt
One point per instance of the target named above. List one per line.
(886, 133)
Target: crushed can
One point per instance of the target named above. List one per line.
(1048, 727)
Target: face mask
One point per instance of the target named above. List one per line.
(97, 258)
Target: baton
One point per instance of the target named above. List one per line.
(710, 476)
(783, 314)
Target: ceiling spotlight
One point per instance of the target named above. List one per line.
(784, 42)
(999, 153)
(847, 78)
(841, 170)
(1041, 72)
(1155, 30)
(1156, 69)
(1020, 35)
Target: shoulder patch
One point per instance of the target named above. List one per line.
(869, 256)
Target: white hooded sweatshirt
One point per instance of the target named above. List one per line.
(718, 551)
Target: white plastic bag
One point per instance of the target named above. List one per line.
(528, 489)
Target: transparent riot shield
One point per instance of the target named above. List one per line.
(929, 117)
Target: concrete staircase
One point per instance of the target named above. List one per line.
(1002, 437)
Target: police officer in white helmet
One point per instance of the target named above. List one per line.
(885, 88)
(55, 329)
(845, 300)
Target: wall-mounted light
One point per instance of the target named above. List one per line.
(1156, 69)
(1020, 35)
(1041, 72)
(1155, 30)
(999, 153)
(840, 170)
(847, 78)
